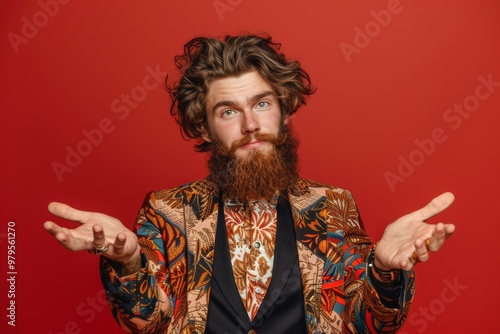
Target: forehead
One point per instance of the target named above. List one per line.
(238, 88)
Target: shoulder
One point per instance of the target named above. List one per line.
(322, 189)
(338, 203)
(195, 188)
(313, 195)
(201, 196)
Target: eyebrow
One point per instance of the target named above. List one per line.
(251, 99)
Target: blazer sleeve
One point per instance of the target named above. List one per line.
(144, 302)
(365, 310)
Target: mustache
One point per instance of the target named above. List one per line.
(268, 137)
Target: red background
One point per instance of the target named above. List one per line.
(63, 76)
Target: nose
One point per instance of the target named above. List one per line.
(250, 123)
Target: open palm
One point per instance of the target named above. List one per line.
(96, 230)
(411, 233)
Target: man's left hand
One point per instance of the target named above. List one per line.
(410, 239)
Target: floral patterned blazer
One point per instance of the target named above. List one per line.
(176, 229)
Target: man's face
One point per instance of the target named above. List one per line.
(239, 110)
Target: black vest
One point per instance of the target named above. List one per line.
(282, 310)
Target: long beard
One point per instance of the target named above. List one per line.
(258, 175)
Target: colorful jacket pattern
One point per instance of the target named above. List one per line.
(176, 229)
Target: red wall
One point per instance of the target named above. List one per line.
(403, 112)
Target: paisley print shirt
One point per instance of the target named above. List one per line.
(251, 231)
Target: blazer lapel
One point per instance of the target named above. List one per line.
(308, 211)
(200, 216)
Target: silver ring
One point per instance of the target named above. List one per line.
(99, 250)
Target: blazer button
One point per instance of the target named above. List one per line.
(252, 331)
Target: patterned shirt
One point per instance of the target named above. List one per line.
(251, 231)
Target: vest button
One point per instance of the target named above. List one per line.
(252, 331)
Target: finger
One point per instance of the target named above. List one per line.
(67, 212)
(406, 264)
(119, 244)
(58, 232)
(52, 228)
(421, 250)
(99, 237)
(434, 207)
(440, 234)
(64, 237)
(449, 229)
(437, 238)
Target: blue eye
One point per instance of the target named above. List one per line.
(228, 112)
(262, 104)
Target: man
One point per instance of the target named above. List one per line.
(253, 248)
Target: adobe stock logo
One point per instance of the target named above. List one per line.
(121, 108)
(30, 27)
(222, 6)
(364, 35)
(87, 312)
(420, 318)
(453, 118)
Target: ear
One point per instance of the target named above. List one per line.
(286, 119)
(205, 135)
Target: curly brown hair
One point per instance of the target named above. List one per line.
(206, 59)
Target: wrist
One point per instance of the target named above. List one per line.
(376, 260)
(129, 266)
(379, 272)
(379, 266)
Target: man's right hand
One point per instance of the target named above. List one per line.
(96, 231)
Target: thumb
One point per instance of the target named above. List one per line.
(437, 205)
(67, 212)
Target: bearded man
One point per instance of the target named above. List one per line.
(253, 248)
